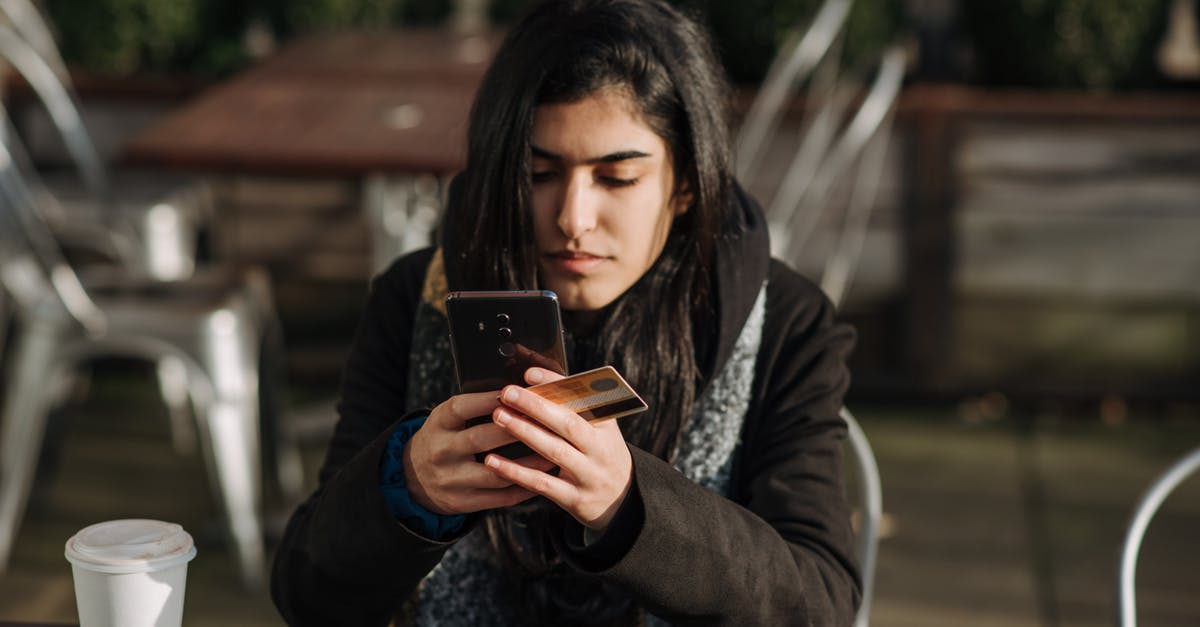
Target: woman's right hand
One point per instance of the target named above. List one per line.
(440, 468)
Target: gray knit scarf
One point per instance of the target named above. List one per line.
(464, 588)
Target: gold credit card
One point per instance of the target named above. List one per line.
(600, 394)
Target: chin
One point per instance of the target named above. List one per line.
(582, 297)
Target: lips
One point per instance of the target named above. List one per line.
(574, 262)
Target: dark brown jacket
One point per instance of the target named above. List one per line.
(777, 551)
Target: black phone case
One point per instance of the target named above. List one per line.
(496, 336)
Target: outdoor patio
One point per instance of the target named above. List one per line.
(1025, 294)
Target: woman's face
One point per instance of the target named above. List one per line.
(603, 198)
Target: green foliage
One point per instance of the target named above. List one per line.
(747, 33)
(124, 36)
(1059, 43)
(1098, 44)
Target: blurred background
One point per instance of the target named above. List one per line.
(1004, 198)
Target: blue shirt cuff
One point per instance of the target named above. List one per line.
(395, 492)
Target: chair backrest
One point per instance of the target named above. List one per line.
(29, 22)
(56, 96)
(32, 267)
(136, 246)
(1147, 507)
(853, 159)
(802, 50)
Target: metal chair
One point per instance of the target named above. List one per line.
(1147, 507)
(854, 158)
(158, 239)
(212, 324)
(27, 20)
(870, 505)
(801, 53)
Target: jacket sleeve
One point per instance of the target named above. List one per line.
(780, 550)
(343, 559)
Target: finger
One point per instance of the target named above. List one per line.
(534, 376)
(457, 410)
(549, 414)
(497, 499)
(536, 481)
(536, 462)
(468, 501)
(474, 476)
(469, 477)
(543, 441)
(530, 356)
(482, 437)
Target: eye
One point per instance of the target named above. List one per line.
(613, 181)
(542, 176)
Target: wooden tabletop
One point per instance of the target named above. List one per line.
(335, 104)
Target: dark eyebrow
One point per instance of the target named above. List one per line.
(610, 158)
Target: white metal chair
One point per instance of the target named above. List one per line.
(1147, 507)
(853, 158)
(158, 239)
(802, 51)
(210, 323)
(870, 507)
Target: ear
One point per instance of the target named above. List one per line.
(682, 198)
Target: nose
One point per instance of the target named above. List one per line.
(577, 214)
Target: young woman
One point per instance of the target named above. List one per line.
(599, 168)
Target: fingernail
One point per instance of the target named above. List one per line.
(491, 461)
(509, 394)
(534, 376)
(501, 417)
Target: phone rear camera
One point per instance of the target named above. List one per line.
(502, 319)
(505, 332)
(481, 327)
(507, 349)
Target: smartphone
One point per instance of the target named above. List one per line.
(496, 336)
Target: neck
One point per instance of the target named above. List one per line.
(582, 321)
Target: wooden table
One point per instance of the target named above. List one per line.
(338, 103)
(387, 108)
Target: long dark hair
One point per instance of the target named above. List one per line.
(565, 51)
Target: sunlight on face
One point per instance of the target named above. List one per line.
(603, 197)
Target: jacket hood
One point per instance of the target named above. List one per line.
(742, 262)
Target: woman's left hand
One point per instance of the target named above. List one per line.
(595, 469)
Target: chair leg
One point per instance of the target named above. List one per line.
(4, 319)
(172, 383)
(24, 424)
(231, 426)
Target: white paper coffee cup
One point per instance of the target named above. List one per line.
(130, 573)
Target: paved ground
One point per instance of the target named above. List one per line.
(994, 520)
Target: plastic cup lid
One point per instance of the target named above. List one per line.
(130, 546)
